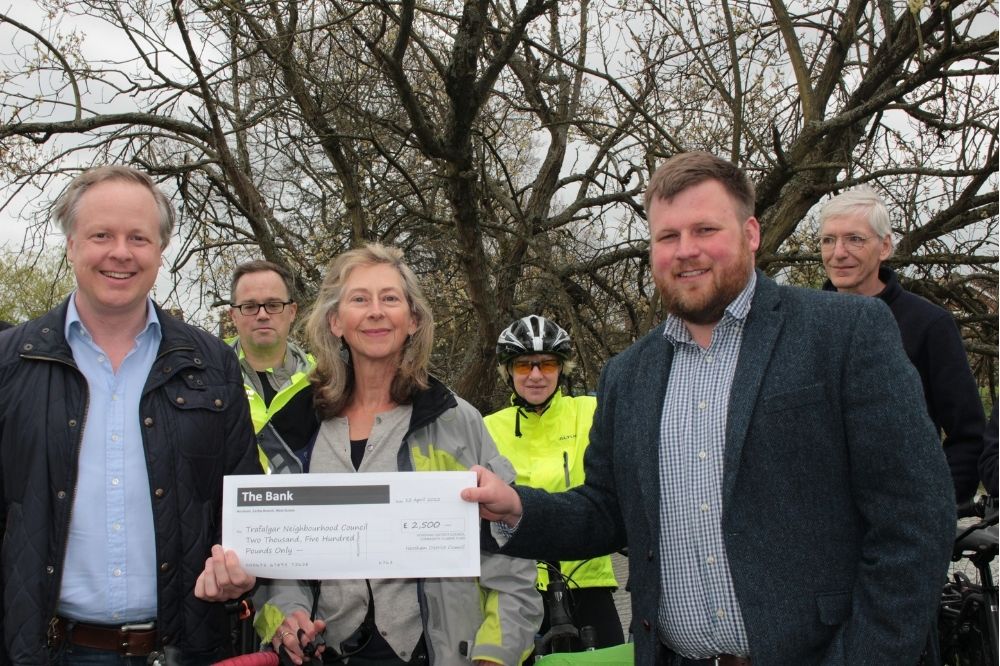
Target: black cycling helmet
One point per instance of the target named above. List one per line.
(533, 334)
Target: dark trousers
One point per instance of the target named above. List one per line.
(75, 655)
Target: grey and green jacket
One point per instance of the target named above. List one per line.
(492, 618)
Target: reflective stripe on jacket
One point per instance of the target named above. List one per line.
(276, 457)
(549, 455)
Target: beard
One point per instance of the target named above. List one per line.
(706, 306)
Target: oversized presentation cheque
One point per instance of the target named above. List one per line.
(328, 526)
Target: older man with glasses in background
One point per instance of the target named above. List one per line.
(855, 237)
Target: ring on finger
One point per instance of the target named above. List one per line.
(281, 636)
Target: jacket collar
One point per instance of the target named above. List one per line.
(760, 334)
(430, 403)
(550, 407)
(45, 337)
(892, 288)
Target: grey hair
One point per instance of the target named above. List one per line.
(68, 205)
(864, 200)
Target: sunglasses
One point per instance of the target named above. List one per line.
(548, 366)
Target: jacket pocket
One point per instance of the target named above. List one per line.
(200, 418)
(798, 397)
(834, 607)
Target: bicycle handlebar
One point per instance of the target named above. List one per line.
(977, 507)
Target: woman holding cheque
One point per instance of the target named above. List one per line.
(371, 331)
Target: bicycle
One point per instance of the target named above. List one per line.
(563, 634)
(967, 615)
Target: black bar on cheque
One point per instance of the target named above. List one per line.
(312, 495)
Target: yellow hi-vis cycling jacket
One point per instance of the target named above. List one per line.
(549, 455)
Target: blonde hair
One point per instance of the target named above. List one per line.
(68, 204)
(333, 377)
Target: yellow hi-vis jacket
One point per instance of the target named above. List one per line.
(275, 455)
(549, 455)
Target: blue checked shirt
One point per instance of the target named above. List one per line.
(110, 574)
(699, 615)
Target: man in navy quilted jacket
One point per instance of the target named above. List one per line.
(117, 424)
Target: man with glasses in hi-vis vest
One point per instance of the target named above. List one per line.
(275, 369)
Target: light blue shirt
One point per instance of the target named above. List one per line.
(699, 613)
(110, 569)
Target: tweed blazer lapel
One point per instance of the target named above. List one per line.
(763, 325)
(643, 431)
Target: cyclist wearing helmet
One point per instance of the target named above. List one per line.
(544, 434)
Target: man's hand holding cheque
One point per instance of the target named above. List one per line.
(497, 500)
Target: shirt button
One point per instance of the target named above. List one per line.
(709, 359)
(702, 405)
(704, 506)
(710, 559)
(101, 359)
(117, 572)
(115, 438)
(114, 397)
(115, 481)
(721, 613)
(116, 526)
(702, 455)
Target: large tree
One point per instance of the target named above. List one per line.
(505, 145)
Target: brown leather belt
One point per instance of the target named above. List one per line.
(128, 640)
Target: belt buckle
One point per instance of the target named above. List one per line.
(124, 631)
(137, 626)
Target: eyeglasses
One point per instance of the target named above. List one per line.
(855, 241)
(251, 309)
(522, 367)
